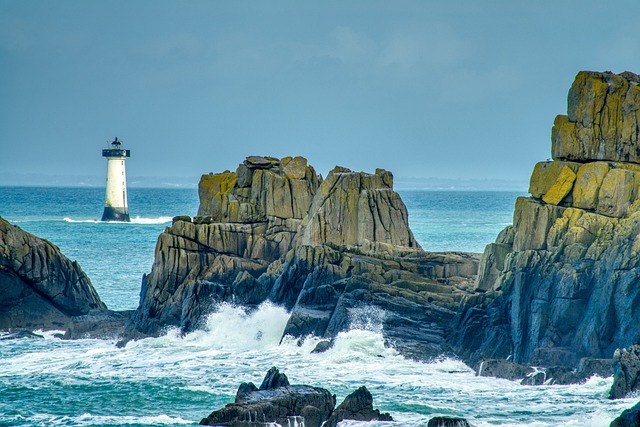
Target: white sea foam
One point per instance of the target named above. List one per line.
(135, 220)
(239, 345)
(88, 419)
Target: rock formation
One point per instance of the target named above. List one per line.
(562, 283)
(274, 230)
(276, 401)
(626, 372)
(629, 418)
(40, 288)
(356, 406)
(448, 422)
(529, 375)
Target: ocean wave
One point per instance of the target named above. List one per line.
(88, 419)
(136, 220)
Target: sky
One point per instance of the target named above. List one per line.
(426, 89)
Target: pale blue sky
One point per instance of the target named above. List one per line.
(460, 89)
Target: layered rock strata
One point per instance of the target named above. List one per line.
(232, 250)
(562, 283)
(334, 252)
(40, 288)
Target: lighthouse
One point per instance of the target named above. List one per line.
(116, 207)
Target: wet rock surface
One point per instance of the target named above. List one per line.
(278, 401)
(333, 252)
(448, 422)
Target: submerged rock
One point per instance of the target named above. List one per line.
(40, 288)
(276, 401)
(20, 335)
(501, 368)
(561, 283)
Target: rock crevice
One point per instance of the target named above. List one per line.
(561, 283)
(324, 249)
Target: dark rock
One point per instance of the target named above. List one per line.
(322, 346)
(278, 401)
(506, 369)
(629, 418)
(600, 367)
(274, 379)
(555, 375)
(626, 372)
(448, 422)
(98, 324)
(40, 288)
(21, 334)
(357, 406)
(244, 391)
(529, 375)
(279, 404)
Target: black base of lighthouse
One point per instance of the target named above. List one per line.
(115, 214)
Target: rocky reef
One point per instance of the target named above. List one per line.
(40, 288)
(327, 250)
(561, 283)
(276, 401)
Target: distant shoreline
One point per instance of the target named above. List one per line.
(191, 182)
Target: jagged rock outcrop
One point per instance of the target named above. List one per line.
(355, 253)
(40, 288)
(626, 372)
(356, 406)
(232, 250)
(562, 283)
(276, 401)
(273, 230)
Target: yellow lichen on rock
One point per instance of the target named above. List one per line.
(564, 139)
(587, 186)
(617, 192)
(603, 120)
(561, 188)
(546, 174)
(294, 167)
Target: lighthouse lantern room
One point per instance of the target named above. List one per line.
(116, 207)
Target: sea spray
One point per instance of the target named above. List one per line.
(175, 379)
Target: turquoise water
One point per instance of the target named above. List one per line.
(175, 380)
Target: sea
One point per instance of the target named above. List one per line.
(177, 380)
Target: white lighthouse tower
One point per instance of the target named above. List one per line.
(116, 207)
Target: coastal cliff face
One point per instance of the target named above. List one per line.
(562, 282)
(333, 252)
(39, 287)
(230, 252)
